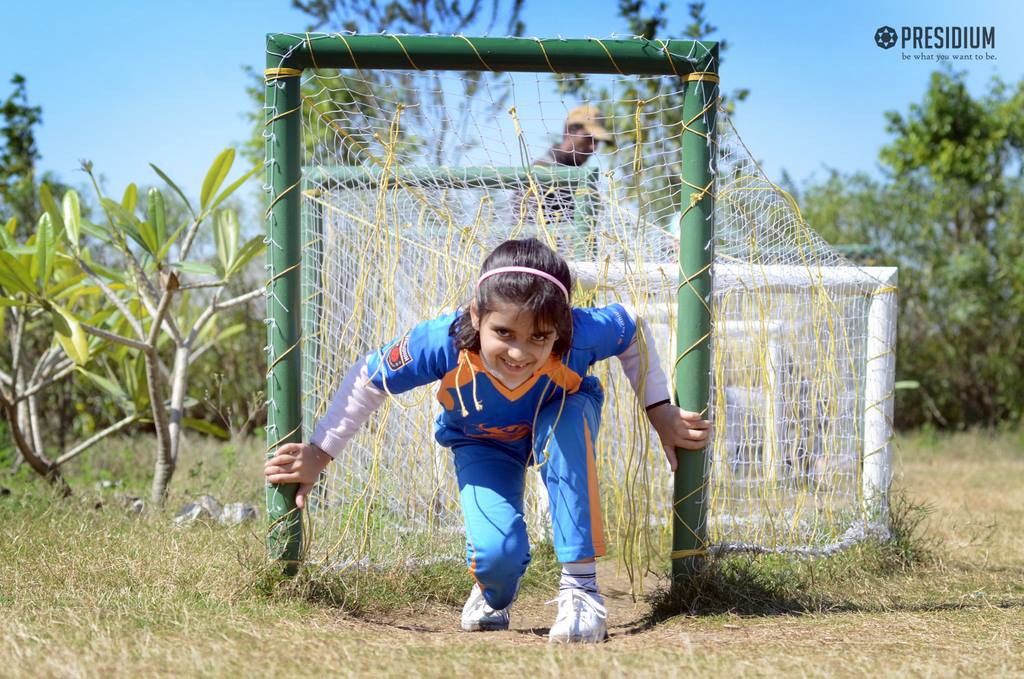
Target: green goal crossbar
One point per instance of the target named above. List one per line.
(288, 55)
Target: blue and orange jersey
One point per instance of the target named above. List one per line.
(475, 405)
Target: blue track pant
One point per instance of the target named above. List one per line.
(491, 484)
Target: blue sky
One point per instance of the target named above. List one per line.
(128, 83)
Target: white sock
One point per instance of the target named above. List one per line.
(579, 576)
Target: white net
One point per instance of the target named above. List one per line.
(412, 178)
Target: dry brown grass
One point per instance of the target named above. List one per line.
(95, 592)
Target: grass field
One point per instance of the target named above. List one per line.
(87, 589)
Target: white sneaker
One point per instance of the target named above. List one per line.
(581, 618)
(477, 616)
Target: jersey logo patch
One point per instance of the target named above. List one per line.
(512, 432)
(398, 355)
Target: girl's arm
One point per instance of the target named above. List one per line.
(301, 463)
(351, 406)
(676, 428)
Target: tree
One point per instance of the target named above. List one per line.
(357, 91)
(158, 312)
(949, 213)
(18, 155)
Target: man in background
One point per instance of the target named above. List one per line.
(581, 135)
(579, 141)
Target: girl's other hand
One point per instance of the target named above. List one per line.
(299, 463)
(679, 428)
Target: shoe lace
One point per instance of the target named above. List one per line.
(577, 601)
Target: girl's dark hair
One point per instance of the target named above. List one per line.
(534, 294)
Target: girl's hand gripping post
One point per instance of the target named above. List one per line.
(299, 463)
(679, 428)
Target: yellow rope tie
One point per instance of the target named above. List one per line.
(881, 402)
(540, 43)
(698, 76)
(282, 115)
(885, 290)
(279, 442)
(664, 48)
(294, 266)
(689, 283)
(887, 352)
(683, 553)
(411, 62)
(691, 348)
(350, 53)
(278, 197)
(610, 57)
(699, 114)
(476, 52)
(271, 74)
(312, 57)
(695, 534)
(280, 357)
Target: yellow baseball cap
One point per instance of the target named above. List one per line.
(587, 115)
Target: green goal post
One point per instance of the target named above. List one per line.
(288, 55)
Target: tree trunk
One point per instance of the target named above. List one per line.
(36, 459)
(36, 429)
(179, 387)
(165, 462)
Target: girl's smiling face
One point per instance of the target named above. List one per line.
(511, 346)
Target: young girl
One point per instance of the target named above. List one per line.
(512, 368)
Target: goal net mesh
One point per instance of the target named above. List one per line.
(411, 178)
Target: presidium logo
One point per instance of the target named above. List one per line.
(885, 37)
(937, 37)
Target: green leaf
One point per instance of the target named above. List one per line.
(14, 276)
(166, 247)
(230, 331)
(96, 231)
(157, 214)
(50, 207)
(906, 384)
(174, 186)
(108, 273)
(253, 247)
(130, 198)
(111, 387)
(7, 301)
(233, 187)
(225, 235)
(205, 427)
(70, 335)
(70, 286)
(215, 176)
(194, 268)
(125, 218)
(147, 232)
(133, 368)
(72, 218)
(7, 233)
(46, 246)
